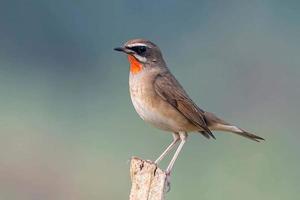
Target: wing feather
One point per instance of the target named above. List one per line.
(169, 89)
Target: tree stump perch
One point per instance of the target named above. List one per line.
(148, 181)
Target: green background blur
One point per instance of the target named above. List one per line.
(67, 125)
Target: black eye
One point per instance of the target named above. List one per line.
(140, 50)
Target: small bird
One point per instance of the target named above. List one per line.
(160, 100)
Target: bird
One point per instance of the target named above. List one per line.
(159, 99)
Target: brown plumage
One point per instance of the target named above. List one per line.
(169, 89)
(160, 100)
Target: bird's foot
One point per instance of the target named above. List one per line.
(168, 181)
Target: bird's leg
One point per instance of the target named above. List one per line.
(176, 138)
(183, 137)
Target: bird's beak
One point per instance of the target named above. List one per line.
(119, 49)
(124, 49)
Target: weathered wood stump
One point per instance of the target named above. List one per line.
(148, 181)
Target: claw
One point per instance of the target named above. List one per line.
(168, 182)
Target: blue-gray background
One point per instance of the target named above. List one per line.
(67, 125)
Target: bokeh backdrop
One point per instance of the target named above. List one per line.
(67, 125)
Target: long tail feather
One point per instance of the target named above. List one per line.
(239, 131)
(215, 123)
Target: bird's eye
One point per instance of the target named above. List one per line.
(140, 50)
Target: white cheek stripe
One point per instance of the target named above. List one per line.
(140, 58)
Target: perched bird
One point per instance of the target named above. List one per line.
(160, 100)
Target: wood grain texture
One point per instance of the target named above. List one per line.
(148, 181)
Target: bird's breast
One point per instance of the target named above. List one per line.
(152, 108)
(143, 98)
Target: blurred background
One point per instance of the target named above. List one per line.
(67, 125)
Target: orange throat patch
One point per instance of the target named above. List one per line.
(135, 65)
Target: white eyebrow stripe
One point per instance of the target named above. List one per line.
(137, 44)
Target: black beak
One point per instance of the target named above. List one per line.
(124, 49)
(119, 49)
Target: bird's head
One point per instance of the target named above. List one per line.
(141, 53)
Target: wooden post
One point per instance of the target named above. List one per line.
(148, 181)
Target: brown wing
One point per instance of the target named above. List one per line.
(169, 89)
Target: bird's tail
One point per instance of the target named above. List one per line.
(215, 123)
(238, 131)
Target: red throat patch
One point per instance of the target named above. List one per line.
(135, 65)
